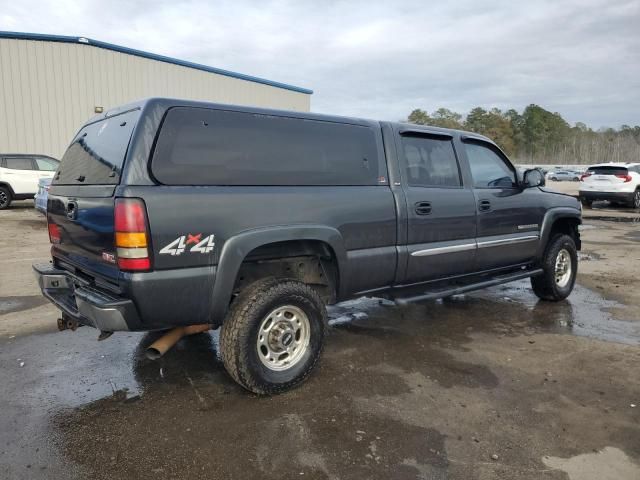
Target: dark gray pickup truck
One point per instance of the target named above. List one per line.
(170, 214)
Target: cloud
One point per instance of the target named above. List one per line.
(383, 59)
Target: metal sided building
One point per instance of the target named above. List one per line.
(51, 84)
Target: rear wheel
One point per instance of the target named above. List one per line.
(635, 203)
(5, 198)
(560, 266)
(586, 203)
(273, 335)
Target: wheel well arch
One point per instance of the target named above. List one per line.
(561, 220)
(566, 225)
(5, 184)
(313, 262)
(267, 244)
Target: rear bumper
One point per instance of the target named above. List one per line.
(89, 306)
(614, 196)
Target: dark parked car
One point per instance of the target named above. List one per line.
(186, 215)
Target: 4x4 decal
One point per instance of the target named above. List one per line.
(181, 244)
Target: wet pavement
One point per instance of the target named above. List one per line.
(424, 391)
(490, 385)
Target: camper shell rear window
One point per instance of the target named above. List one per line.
(96, 155)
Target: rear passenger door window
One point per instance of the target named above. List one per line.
(430, 162)
(19, 163)
(488, 169)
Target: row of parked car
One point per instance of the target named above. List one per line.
(564, 176)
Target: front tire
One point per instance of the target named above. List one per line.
(273, 335)
(5, 198)
(635, 202)
(560, 266)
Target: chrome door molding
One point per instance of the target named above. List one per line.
(510, 240)
(440, 248)
(445, 249)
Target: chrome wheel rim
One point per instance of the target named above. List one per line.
(283, 338)
(563, 268)
(3, 199)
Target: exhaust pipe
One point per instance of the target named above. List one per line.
(169, 339)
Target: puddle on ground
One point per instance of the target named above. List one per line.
(607, 464)
(511, 309)
(606, 218)
(584, 256)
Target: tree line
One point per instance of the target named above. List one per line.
(538, 136)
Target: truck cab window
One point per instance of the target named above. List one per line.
(488, 169)
(430, 162)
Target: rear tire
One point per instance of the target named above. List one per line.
(272, 338)
(586, 203)
(560, 266)
(5, 198)
(635, 202)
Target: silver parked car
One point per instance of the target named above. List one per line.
(40, 199)
(563, 175)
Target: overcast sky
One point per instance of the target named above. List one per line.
(383, 59)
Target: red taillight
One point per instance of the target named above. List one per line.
(583, 176)
(626, 178)
(134, 263)
(54, 233)
(130, 215)
(131, 236)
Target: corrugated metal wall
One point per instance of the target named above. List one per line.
(48, 90)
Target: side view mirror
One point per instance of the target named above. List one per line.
(533, 178)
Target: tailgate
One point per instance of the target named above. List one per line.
(81, 197)
(605, 177)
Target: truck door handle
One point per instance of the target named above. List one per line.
(484, 205)
(423, 208)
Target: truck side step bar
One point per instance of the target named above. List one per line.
(433, 294)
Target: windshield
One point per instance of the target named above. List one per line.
(96, 155)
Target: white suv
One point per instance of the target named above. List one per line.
(19, 175)
(616, 182)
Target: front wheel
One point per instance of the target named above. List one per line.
(560, 266)
(273, 335)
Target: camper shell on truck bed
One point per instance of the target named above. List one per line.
(170, 213)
